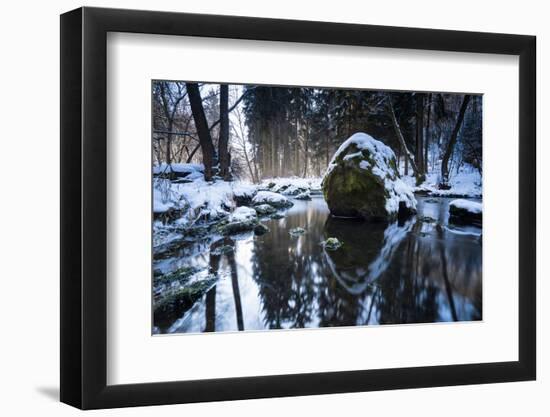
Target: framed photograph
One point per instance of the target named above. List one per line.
(256, 208)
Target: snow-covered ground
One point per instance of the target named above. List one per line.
(467, 182)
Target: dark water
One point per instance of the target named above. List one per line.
(422, 270)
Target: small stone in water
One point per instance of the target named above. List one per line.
(427, 219)
(303, 196)
(277, 216)
(297, 231)
(265, 209)
(332, 243)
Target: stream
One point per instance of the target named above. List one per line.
(421, 270)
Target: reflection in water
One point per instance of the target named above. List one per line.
(422, 270)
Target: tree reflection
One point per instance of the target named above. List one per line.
(210, 300)
(407, 272)
(414, 271)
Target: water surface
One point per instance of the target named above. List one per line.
(421, 270)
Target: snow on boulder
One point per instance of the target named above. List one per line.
(465, 212)
(292, 186)
(242, 219)
(362, 181)
(242, 214)
(273, 199)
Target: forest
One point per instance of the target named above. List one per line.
(257, 132)
(280, 207)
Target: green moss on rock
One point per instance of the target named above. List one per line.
(181, 274)
(362, 181)
(175, 303)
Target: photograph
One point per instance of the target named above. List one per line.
(289, 207)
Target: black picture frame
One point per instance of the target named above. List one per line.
(84, 207)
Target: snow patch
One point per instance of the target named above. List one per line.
(468, 205)
(364, 164)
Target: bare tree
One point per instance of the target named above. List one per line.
(223, 141)
(243, 146)
(452, 142)
(205, 139)
(171, 95)
(408, 155)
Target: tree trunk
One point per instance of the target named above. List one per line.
(306, 149)
(297, 148)
(274, 154)
(408, 155)
(427, 135)
(420, 132)
(452, 142)
(223, 142)
(203, 131)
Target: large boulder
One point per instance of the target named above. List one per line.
(362, 181)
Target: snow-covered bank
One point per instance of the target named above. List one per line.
(467, 182)
(292, 186)
(185, 202)
(196, 198)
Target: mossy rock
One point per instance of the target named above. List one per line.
(232, 228)
(170, 249)
(172, 306)
(260, 229)
(332, 243)
(265, 209)
(181, 275)
(362, 181)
